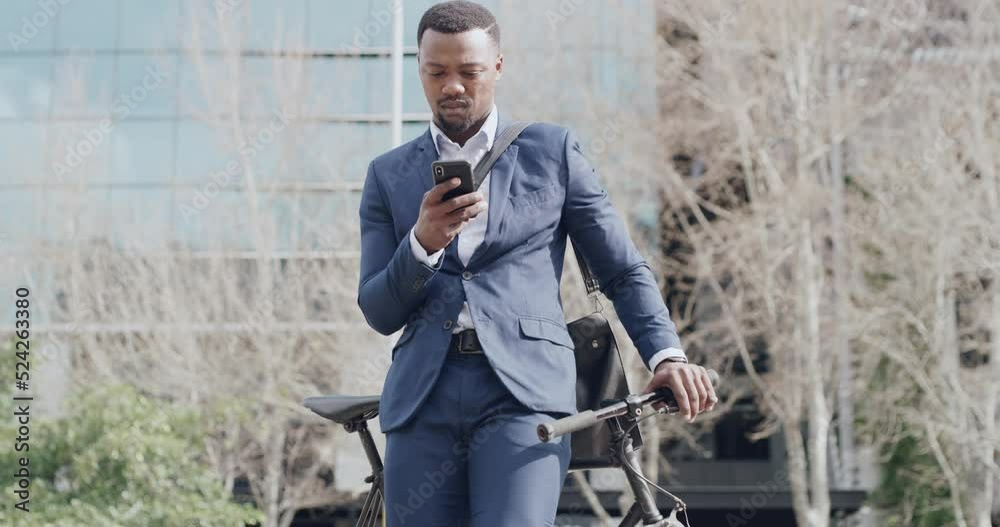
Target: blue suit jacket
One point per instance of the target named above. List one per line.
(541, 190)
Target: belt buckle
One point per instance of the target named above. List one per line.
(462, 335)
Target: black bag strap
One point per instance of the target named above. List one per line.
(500, 144)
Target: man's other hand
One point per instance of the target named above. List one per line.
(691, 386)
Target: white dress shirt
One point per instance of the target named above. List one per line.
(472, 235)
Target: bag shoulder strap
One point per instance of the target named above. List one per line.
(500, 144)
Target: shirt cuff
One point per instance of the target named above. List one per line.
(430, 260)
(663, 355)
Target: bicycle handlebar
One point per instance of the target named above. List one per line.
(588, 418)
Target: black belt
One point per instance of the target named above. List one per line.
(465, 342)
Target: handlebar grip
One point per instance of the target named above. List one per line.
(554, 429)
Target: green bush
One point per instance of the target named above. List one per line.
(119, 459)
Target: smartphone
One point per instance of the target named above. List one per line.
(445, 170)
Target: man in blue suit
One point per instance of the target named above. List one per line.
(485, 355)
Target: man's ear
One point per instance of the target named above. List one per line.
(499, 65)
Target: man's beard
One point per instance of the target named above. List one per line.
(456, 127)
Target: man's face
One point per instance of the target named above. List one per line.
(459, 72)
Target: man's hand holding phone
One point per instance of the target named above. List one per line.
(440, 221)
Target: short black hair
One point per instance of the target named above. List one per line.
(458, 16)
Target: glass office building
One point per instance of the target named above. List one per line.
(68, 65)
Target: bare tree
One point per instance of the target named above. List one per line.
(789, 116)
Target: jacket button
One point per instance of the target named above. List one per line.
(447, 324)
(467, 275)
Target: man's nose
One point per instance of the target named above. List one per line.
(453, 88)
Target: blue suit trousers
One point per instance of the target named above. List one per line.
(471, 457)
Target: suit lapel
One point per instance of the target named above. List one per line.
(499, 180)
(426, 154)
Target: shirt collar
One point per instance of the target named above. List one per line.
(489, 129)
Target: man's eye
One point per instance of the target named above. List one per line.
(472, 73)
(437, 74)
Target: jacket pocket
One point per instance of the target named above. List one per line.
(543, 328)
(535, 197)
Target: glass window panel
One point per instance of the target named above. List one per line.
(91, 25)
(269, 83)
(23, 217)
(143, 152)
(277, 222)
(413, 91)
(270, 147)
(379, 141)
(22, 151)
(200, 152)
(196, 210)
(74, 217)
(336, 25)
(413, 130)
(188, 222)
(202, 85)
(147, 86)
(83, 86)
(377, 28)
(340, 85)
(256, 84)
(224, 223)
(78, 151)
(412, 11)
(275, 24)
(32, 27)
(342, 151)
(643, 36)
(150, 25)
(328, 221)
(378, 73)
(140, 218)
(201, 19)
(25, 86)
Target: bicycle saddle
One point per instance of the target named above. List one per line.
(343, 409)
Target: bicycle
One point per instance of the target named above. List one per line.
(621, 415)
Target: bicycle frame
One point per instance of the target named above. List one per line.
(643, 511)
(372, 511)
(644, 508)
